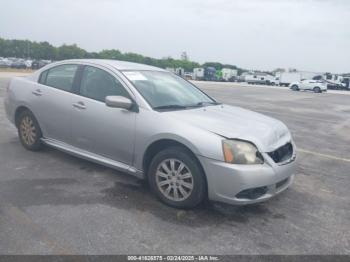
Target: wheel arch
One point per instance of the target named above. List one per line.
(319, 89)
(161, 144)
(18, 112)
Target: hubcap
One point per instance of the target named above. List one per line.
(28, 132)
(174, 179)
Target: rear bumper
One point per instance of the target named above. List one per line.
(247, 184)
(8, 110)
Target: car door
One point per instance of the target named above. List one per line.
(302, 84)
(99, 129)
(52, 104)
(309, 84)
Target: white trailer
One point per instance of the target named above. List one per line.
(180, 71)
(308, 75)
(198, 73)
(229, 74)
(262, 79)
(286, 78)
(241, 78)
(257, 79)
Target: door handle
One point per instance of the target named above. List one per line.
(79, 105)
(37, 92)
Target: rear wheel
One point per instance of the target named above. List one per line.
(317, 89)
(176, 178)
(29, 131)
(295, 88)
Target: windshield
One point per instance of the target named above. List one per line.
(163, 90)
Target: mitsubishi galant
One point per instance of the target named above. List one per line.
(154, 125)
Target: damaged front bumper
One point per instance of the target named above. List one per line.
(247, 184)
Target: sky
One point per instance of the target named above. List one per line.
(310, 35)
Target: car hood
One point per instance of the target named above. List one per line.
(237, 123)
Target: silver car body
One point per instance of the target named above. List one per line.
(119, 138)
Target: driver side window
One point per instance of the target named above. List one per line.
(97, 84)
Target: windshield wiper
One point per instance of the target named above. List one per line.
(170, 107)
(199, 104)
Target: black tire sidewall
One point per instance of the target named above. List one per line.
(199, 190)
(317, 89)
(37, 144)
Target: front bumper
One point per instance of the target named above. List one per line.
(231, 183)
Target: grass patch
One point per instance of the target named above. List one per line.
(16, 70)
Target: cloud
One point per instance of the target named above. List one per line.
(260, 34)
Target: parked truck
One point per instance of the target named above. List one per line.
(334, 81)
(198, 73)
(346, 82)
(286, 78)
(210, 74)
(228, 74)
(271, 80)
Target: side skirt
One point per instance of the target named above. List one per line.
(93, 157)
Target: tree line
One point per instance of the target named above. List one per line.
(46, 51)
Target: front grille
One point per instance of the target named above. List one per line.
(283, 153)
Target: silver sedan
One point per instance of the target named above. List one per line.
(154, 125)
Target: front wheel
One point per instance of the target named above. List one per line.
(29, 131)
(176, 178)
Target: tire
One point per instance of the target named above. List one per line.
(165, 181)
(295, 88)
(29, 131)
(317, 89)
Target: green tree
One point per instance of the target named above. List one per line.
(44, 50)
(110, 54)
(70, 52)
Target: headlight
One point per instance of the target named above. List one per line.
(241, 152)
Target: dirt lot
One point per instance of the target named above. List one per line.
(55, 203)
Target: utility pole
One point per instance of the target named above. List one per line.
(27, 49)
(184, 56)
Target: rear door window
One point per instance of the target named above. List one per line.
(61, 77)
(43, 76)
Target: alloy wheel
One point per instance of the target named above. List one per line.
(28, 131)
(174, 179)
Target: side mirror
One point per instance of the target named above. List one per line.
(118, 102)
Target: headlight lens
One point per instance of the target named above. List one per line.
(241, 152)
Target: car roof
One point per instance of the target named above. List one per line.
(119, 65)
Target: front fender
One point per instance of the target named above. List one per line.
(152, 127)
